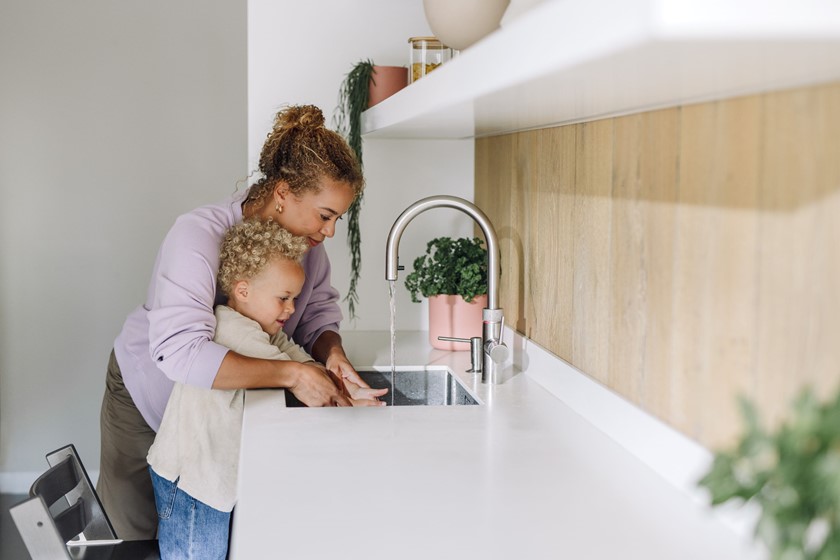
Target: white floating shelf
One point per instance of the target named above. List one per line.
(570, 61)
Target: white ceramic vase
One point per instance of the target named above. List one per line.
(460, 23)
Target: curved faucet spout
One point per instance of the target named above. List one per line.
(495, 353)
(444, 201)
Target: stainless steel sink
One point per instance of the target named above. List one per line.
(433, 387)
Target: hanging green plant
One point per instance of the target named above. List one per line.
(792, 474)
(352, 100)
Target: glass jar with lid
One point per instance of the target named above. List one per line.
(426, 54)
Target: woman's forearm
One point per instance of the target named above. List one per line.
(308, 381)
(327, 343)
(329, 351)
(241, 372)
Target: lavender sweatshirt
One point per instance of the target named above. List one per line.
(170, 337)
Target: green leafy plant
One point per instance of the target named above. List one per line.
(450, 266)
(793, 474)
(352, 101)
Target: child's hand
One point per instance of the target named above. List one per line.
(363, 396)
(358, 395)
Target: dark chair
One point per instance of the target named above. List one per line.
(64, 519)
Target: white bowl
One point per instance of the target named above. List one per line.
(460, 23)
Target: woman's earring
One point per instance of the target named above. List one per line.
(278, 208)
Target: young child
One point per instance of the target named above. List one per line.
(194, 459)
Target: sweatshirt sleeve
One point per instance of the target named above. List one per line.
(322, 312)
(181, 298)
(285, 345)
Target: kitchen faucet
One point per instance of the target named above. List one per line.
(495, 351)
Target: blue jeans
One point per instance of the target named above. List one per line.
(188, 529)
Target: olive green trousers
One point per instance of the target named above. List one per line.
(125, 486)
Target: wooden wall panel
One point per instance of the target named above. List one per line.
(658, 170)
(498, 171)
(798, 280)
(628, 295)
(517, 236)
(550, 239)
(824, 332)
(716, 246)
(591, 259)
(682, 257)
(644, 178)
(780, 277)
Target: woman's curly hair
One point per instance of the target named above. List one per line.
(300, 150)
(248, 247)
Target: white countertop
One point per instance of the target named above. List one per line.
(523, 475)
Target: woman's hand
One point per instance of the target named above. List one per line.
(314, 387)
(328, 350)
(340, 366)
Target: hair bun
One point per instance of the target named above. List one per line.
(300, 116)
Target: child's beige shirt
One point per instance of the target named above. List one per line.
(199, 436)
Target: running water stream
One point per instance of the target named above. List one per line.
(392, 292)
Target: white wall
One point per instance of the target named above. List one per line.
(299, 52)
(114, 118)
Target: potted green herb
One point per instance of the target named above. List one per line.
(793, 474)
(365, 85)
(453, 275)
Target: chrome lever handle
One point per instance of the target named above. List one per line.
(498, 352)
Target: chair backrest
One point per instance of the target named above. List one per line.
(38, 530)
(95, 524)
(64, 519)
(63, 506)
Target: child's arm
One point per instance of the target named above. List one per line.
(362, 396)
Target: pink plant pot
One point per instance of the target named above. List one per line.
(452, 316)
(385, 82)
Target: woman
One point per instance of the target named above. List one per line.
(309, 179)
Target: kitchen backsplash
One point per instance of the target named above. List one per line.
(681, 256)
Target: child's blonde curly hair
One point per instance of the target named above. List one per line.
(248, 248)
